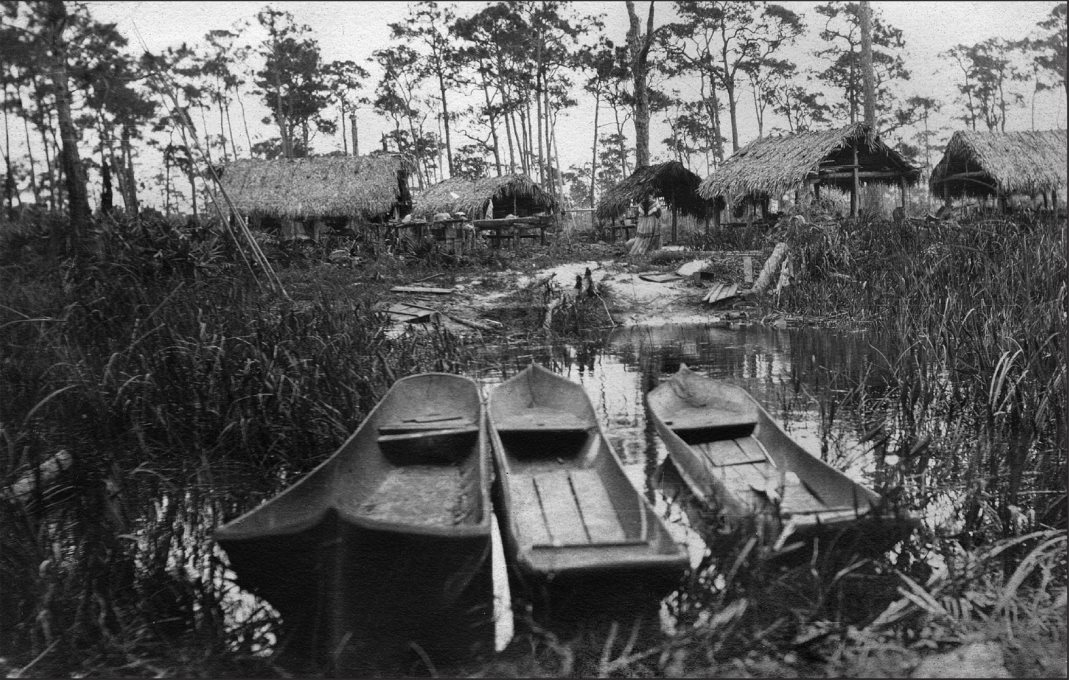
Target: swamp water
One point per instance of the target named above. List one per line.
(787, 371)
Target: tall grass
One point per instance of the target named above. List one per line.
(973, 316)
(175, 382)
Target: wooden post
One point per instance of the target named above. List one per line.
(855, 190)
(903, 189)
(816, 191)
(674, 239)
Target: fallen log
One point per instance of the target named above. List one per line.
(771, 268)
(41, 479)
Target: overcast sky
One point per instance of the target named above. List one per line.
(353, 30)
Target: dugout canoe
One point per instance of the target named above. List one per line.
(572, 523)
(385, 546)
(732, 456)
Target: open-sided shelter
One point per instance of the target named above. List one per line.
(671, 182)
(843, 158)
(328, 189)
(1000, 164)
(515, 194)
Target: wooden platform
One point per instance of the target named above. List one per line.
(567, 508)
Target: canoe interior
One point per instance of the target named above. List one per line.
(759, 472)
(415, 461)
(567, 503)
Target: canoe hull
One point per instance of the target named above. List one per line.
(579, 534)
(446, 610)
(385, 547)
(763, 481)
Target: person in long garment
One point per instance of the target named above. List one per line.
(648, 233)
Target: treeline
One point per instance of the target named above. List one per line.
(467, 90)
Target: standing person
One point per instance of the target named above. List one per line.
(648, 233)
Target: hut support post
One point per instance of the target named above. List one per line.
(674, 239)
(902, 188)
(855, 189)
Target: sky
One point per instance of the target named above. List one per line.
(353, 30)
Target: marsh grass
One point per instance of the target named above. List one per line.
(148, 344)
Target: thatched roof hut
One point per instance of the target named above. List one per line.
(772, 166)
(669, 181)
(515, 194)
(365, 188)
(1001, 163)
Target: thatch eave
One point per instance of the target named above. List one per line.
(354, 187)
(1002, 163)
(772, 166)
(671, 181)
(460, 194)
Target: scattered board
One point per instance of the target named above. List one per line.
(659, 277)
(721, 291)
(422, 289)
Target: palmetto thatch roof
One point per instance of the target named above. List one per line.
(771, 166)
(460, 194)
(362, 187)
(991, 163)
(670, 181)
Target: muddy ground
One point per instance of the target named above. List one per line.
(488, 301)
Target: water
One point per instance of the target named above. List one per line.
(795, 374)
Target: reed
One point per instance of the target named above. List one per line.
(174, 381)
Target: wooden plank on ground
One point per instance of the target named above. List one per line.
(422, 289)
(659, 277)
(719, 292)
(599, 516)
(560, 508)
(527, 508)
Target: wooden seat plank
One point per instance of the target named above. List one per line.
(420, 434)
(738, 423)
(528, 510)
(541, 419)
(428, 421)
(730, 452)
(599, 516)
(560, 508)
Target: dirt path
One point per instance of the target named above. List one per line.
(633, 300)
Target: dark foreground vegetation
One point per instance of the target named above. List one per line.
(179, 386)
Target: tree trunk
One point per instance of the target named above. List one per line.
(106, 193)
(244, 121)
(539, 84)
(866, 65)
(445, 122)
(72, 162)
(639, 48)
(594, 147)
(493, 126)
(356, 140)
(130, 197)
(9, 177)
(230, 129)
(33, 166)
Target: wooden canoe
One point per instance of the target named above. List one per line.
(569, 515)
(732, 455)
(387, 542)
